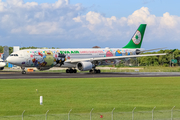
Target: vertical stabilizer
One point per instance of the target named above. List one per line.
(137, 38)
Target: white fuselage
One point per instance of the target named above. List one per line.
(48, 57)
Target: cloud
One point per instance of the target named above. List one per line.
(164, 27)
(61, 21)
(141, 16)
(33, 18)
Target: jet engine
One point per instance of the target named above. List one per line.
(138, 51)
(84, 66)
(43, 68)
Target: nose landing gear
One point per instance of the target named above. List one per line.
(23, 70)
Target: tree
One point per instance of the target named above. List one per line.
(1, 49)
(10, 50)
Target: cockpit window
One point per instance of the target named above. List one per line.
(14, 55)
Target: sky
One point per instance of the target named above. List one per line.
(87, 23)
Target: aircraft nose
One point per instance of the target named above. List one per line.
(4, 64)
(9, 59)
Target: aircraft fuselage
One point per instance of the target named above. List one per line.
(49, 57)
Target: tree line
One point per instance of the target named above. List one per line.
(164, 60)
(11, 48)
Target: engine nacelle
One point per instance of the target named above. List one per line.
(84, 66)
(138, 51)
(43, 68)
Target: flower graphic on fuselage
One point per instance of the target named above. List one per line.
(137, 38)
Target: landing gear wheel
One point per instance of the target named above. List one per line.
(74, 71)
(98, 71)
(95, 71)
(90, 71)
(23, 72)
(67, 71)
(71, 71)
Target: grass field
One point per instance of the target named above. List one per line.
(83, 94)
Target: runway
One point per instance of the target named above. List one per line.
(18, 75)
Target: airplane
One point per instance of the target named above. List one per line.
(80, 59)
(2, 64)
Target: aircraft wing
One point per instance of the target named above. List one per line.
(142, 51)
(111, 58)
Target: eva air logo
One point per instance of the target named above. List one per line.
(137, 38)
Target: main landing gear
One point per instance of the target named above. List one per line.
(71, 70)
(23, 70)
(95, 71)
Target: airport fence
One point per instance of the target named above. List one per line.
(113, 115)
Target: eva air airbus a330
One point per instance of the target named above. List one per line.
(79, 59)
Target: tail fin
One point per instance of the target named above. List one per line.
(137, 38)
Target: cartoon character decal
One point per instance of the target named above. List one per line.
(118, 53)
(61, 58)
(109, 54)
(40, 54)
(49, 58)
(42, 58)
(35, 61)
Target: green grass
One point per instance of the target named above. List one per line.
(83, 94)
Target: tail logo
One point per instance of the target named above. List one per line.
(137, 38)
